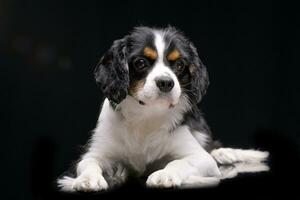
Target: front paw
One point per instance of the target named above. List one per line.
(90, 183)
(83, 183)
(164, 179)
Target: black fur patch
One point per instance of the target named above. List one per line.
(140, 38)
(111, 73)
(195, 121)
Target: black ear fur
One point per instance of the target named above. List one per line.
(200, 79)
(111, 72)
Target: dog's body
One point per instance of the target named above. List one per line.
(150, 122)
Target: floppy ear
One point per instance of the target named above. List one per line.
(111, 73)
(199, 79)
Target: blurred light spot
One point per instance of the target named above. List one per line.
(45, 55)
(64, 63)
(22, 45)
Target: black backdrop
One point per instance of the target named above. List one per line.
(50, 102)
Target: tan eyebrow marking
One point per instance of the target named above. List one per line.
(150, 53)
(173, 55)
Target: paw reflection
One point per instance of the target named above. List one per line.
(231, 171)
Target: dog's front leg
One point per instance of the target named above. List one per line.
(186, 172)
(194, 166)
(89, 177)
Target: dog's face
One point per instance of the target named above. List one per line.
(155, 66)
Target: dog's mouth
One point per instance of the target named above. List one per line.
(141, 103)
(160, 100)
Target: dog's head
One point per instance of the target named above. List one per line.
(154, 66)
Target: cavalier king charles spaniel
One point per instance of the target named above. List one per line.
(150, 124)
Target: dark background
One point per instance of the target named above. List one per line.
(50, 102)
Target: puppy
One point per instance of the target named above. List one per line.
(150, 124)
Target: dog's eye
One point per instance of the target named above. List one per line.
(180, 65)
(140, 64)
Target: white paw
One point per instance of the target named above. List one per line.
(224, 156)
(163, 178)
(231, 171)
(84, 183)
(230, 156)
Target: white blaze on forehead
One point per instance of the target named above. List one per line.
(160, 45)
(150, 93)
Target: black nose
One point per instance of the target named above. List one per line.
(164, 83)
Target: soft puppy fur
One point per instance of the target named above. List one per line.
(150, 124)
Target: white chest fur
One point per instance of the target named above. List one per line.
(136, 134)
